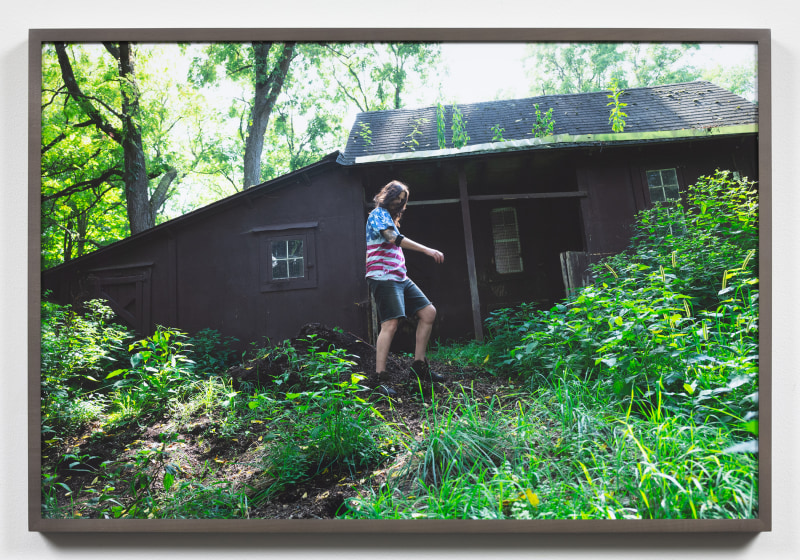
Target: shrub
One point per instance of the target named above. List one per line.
(75, 349)
(673, 320)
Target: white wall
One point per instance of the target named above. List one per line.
(18, 17)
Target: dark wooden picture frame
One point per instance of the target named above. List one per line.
(758, 37)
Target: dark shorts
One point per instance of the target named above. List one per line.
(396, 299)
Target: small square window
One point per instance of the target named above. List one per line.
(288, 259)
(663, 185)
(507, 248)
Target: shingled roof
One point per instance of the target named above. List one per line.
(658, 112)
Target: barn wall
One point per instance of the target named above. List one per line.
(208, 272)
(221, 262)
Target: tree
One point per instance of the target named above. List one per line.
(264, 66)
(556, 68)
(374, 76)
(124, 108)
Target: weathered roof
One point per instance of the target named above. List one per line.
(697, 108)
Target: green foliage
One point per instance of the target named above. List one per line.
(413, 143)
(160, 370)
(365, 133)
(459, 128)
(497, 133)
(616, 117)
(329, 412)
(75, 349)
(583, 67)
(671, 324)
(323, 422)
(544, 123)
(440, 126)
(461, 437)
(211, 352)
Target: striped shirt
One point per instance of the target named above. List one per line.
(385, 260)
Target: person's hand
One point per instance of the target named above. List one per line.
(438, 256)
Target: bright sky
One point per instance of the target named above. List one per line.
(479, 71)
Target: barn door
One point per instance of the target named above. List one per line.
(127, 291)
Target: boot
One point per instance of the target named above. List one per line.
(380, 384)
(422, 371)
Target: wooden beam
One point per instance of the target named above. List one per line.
(471, 270)
(439, 201)
(568, 194)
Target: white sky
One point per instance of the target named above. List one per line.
(479, 71)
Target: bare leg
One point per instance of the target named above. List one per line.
(384, 342)
(426, 316)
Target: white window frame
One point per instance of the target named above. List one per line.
(268, 236)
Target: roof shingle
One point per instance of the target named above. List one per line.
(692, 105)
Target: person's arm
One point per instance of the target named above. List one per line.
(404, 242)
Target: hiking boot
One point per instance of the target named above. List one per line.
(422, 371)
(385, 390)
(381, 386)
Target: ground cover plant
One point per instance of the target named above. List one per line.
(635, 398)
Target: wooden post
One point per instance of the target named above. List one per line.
(471, 271)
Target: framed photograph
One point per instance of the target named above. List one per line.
(563, 321)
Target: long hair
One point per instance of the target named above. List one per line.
(388, 198)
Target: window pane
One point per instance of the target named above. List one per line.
(653, 179)
(295, 248)
(280, 270)
(672, 192)
(669, 177)
(296, 268)
(657, 195)
(279, 249)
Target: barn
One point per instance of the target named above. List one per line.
(534, 191)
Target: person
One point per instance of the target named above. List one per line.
(395, 294)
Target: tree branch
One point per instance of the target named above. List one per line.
(83, 102)
(83, 185)
(160, 195)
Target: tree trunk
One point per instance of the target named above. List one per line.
(135, 173)
(268, 86)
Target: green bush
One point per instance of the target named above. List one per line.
(674, 320)
(75, 349)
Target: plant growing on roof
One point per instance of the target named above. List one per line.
(365, 133)
(616, 117)
(497, 133)
(459, 128)
(412, 143)
(440, 126)
(544, 122)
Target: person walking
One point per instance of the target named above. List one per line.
(395, 294)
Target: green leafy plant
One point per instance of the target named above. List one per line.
(75, 348)
(497, 133)
(413, 143)
(459, 128)
(440, 126)
(617, 117)
(365, 133)
(211, 352)
(544, 122)
(160, 369)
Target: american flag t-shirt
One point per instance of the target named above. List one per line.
(385, 260)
